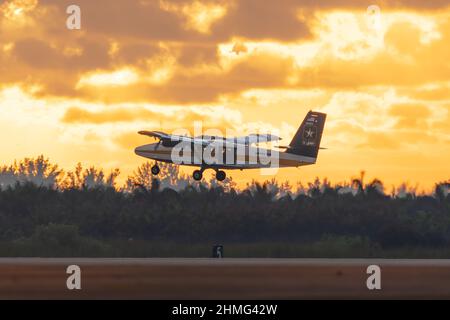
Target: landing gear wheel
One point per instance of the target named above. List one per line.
(198, 175)
(221, 175)
(155, 170)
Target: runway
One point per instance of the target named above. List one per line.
(39, 278)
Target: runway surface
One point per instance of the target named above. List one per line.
(38, 278)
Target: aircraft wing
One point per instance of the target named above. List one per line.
(174, 138)
(255, 138)
(207, 140)
(155, 134)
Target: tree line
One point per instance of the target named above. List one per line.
(47, 212)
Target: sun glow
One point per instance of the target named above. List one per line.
(199, 16)
(15, 9)
(122, 77)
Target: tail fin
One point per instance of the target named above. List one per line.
(306, 141)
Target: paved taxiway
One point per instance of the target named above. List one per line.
(39, 278)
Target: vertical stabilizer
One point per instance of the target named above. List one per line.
(306, 141)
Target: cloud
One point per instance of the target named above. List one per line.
(173, 118)
(129, 140)
(254, 19)
(403, 36)
(410, 115)
(432, 92)
(198, 15)
(406, 55)
(14, 9)
(78, 115)
(188, 20)
(184, 86)
(197, 54)
(380, 140)
(40, 55)
(125, 18)
(442, 124)
(116, 78)
(135, 52)
(143, 35)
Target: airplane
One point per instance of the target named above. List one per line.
(245, 153)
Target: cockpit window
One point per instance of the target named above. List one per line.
(169, 143)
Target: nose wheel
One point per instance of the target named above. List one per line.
(155, 170)
(197, 175)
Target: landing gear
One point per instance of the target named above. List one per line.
(220, 175)
(198, 175)
(155, 170)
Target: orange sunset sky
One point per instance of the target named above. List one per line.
(382, 77)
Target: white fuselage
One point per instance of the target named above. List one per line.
(237, 157)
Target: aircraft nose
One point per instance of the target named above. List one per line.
(144, 150)
(139, 150)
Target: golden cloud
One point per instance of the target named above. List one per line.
(60, 60)
(187, 87)
(410, 115)
(15, 9)
(380, 140)
(176, 116)
(200, 16)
